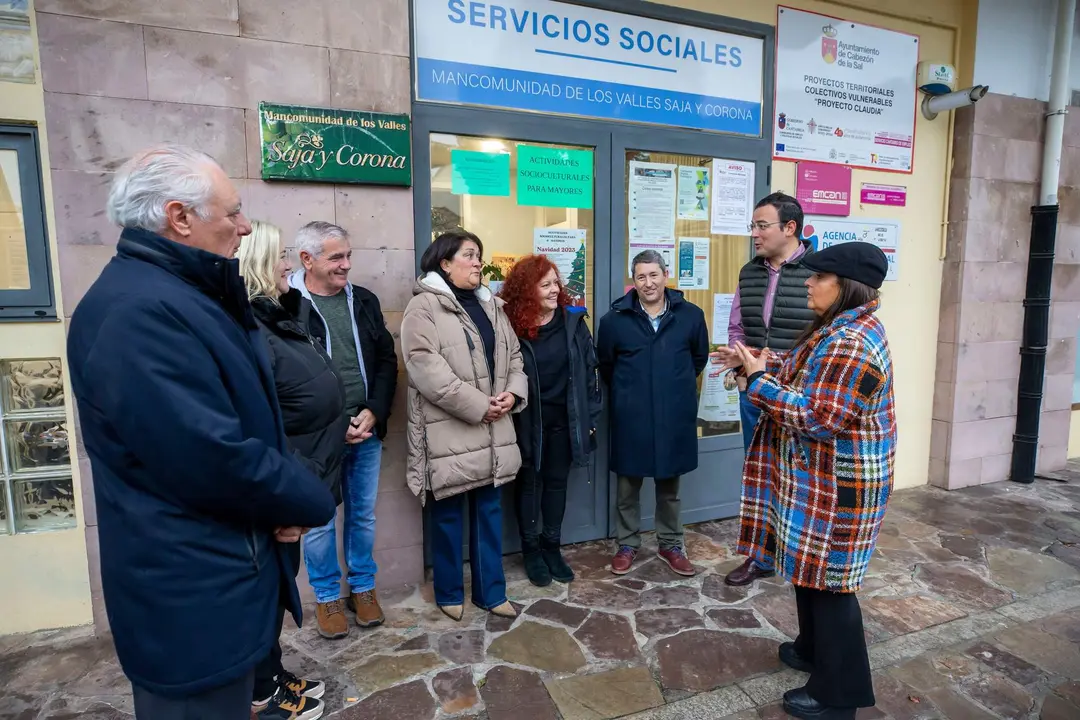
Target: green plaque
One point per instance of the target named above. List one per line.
(554, 177)
(479, 173)
(307, 144)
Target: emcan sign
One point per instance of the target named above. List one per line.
(306, 144)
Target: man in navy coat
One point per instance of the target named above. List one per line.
(194, 484)
(652, 345)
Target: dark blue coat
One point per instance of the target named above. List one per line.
(652, 381)
(191, 469)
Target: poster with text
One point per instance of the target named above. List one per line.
(693, 263)
(732, 197)
(554, 177)
(719, 401)
(845, 92)
(693, 193)
(722, 303)
(565, 248)
(651, 211)
(823, 232)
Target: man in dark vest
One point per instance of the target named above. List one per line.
(769, 310)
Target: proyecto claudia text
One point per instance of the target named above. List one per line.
(497, 17)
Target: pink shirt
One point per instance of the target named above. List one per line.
(735, 325)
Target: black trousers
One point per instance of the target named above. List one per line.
(543, 492)
(270, 667)
(230, 702)
(831, 636)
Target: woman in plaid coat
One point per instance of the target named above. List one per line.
(819, 472)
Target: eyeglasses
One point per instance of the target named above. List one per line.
(762, 226)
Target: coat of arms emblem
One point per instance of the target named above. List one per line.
(828, 44)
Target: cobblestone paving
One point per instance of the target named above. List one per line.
(972, 610)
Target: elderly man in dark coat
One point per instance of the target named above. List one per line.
(652, 345)
(195, 485)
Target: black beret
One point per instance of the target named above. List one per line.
(859, 261)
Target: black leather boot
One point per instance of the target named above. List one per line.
(535, 567)
(556, 565)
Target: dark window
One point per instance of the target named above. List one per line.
(26, 289)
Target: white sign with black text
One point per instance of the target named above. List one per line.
(845, 92)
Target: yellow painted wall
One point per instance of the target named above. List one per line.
(1074, 435)
(910, 306)
(44, 580)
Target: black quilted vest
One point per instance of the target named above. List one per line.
(790, 316)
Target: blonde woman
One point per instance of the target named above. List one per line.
(312, 400)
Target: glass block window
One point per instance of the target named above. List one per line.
(37, 493)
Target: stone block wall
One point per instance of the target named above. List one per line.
(995, 182)
(119, 76)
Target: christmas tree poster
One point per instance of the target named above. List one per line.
(565, 248)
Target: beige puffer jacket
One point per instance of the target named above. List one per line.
(451, 449)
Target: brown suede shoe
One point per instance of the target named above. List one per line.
(331, 619)
(747, 573)
(366, 607)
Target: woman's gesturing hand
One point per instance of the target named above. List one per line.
(750, 363)
(726, 357)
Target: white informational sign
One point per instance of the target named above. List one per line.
(693, 263)
(732, 197)
(845, 92)
(823, 232)
(566, 249)
(553, 57)
(722, 303)
(694, 192)
(719, 401)
(651, 203)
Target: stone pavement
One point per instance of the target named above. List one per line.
(972, 609)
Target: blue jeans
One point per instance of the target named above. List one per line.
(485, 548)
(748, 415)
(359, 490)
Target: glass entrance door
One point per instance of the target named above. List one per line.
(688, 196)
(481, 166)
(526, 185)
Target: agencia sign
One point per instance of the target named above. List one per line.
(845, 93)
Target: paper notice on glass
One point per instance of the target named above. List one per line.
(732, 197)
(693, 263)
(721, 314)
(719, 401)
(694, 193)
(651, 212)
(565, 248)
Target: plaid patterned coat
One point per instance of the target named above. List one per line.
(819, 470)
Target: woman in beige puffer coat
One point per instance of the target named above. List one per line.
(465, 379)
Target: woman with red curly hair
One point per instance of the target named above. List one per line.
(557, 430)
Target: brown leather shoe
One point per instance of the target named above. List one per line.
(747, 573)
(366, 607)
(331, 619)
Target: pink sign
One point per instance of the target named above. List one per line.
(823, 189)
(883, 195)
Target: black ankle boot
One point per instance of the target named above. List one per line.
(553, 558)
(535, 567)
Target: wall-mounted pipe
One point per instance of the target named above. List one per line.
(1044, 218)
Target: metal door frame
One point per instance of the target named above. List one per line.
(428, 119)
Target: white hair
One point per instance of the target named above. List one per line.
(312, 237)
(155, 177)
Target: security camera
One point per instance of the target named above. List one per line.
(934, 104)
